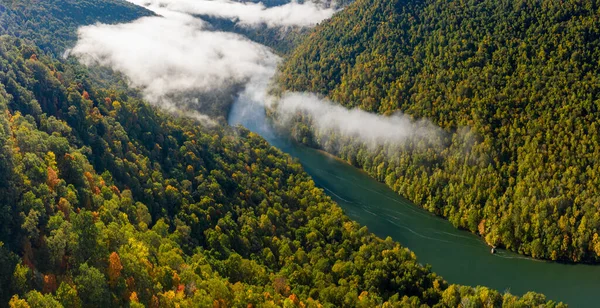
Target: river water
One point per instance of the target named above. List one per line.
(459, 256)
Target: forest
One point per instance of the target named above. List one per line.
(514, 85)
(281, 39)
(106, 200)
(52, 24)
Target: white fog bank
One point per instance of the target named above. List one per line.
(164, 56)
(174, 56)
(249, 14)
(370, 128)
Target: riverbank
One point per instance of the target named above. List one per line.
(459, 256)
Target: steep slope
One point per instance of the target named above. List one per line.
(106, 201)
(515, 83)
(52, 24)
(281, 39)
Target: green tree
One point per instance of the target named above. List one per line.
(92, 287)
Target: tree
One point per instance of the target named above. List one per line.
(114, 268)
(92, 287)
(8, 262)
(20, 279)
(67, 296)
(36, 299)
(86, 237)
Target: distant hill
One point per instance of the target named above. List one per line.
(281, 39)
(52, 24)
(522, 76)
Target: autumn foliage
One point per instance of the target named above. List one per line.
(114, 268)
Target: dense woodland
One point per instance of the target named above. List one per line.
(29, 19)
(106, 201)
(515, 86)
(281, 39)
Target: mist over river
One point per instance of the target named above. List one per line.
(459, 256)
(154, 53)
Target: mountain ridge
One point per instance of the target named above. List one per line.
(60, 19)
(519, 76)
(106, 200)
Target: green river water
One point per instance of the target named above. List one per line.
(459, 256)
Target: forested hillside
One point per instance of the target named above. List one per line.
(52, 24)
(106, 201)
(514, 83)
(281, 39)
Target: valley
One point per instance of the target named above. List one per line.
(195, 153)
(459, 256)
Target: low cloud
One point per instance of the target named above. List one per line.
(182, 66)
(369, 128)
(247, 13)
(167, 56)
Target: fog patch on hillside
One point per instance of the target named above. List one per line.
(305, 14)
(174, 60)
(183, 66)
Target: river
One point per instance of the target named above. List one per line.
(459, 256)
